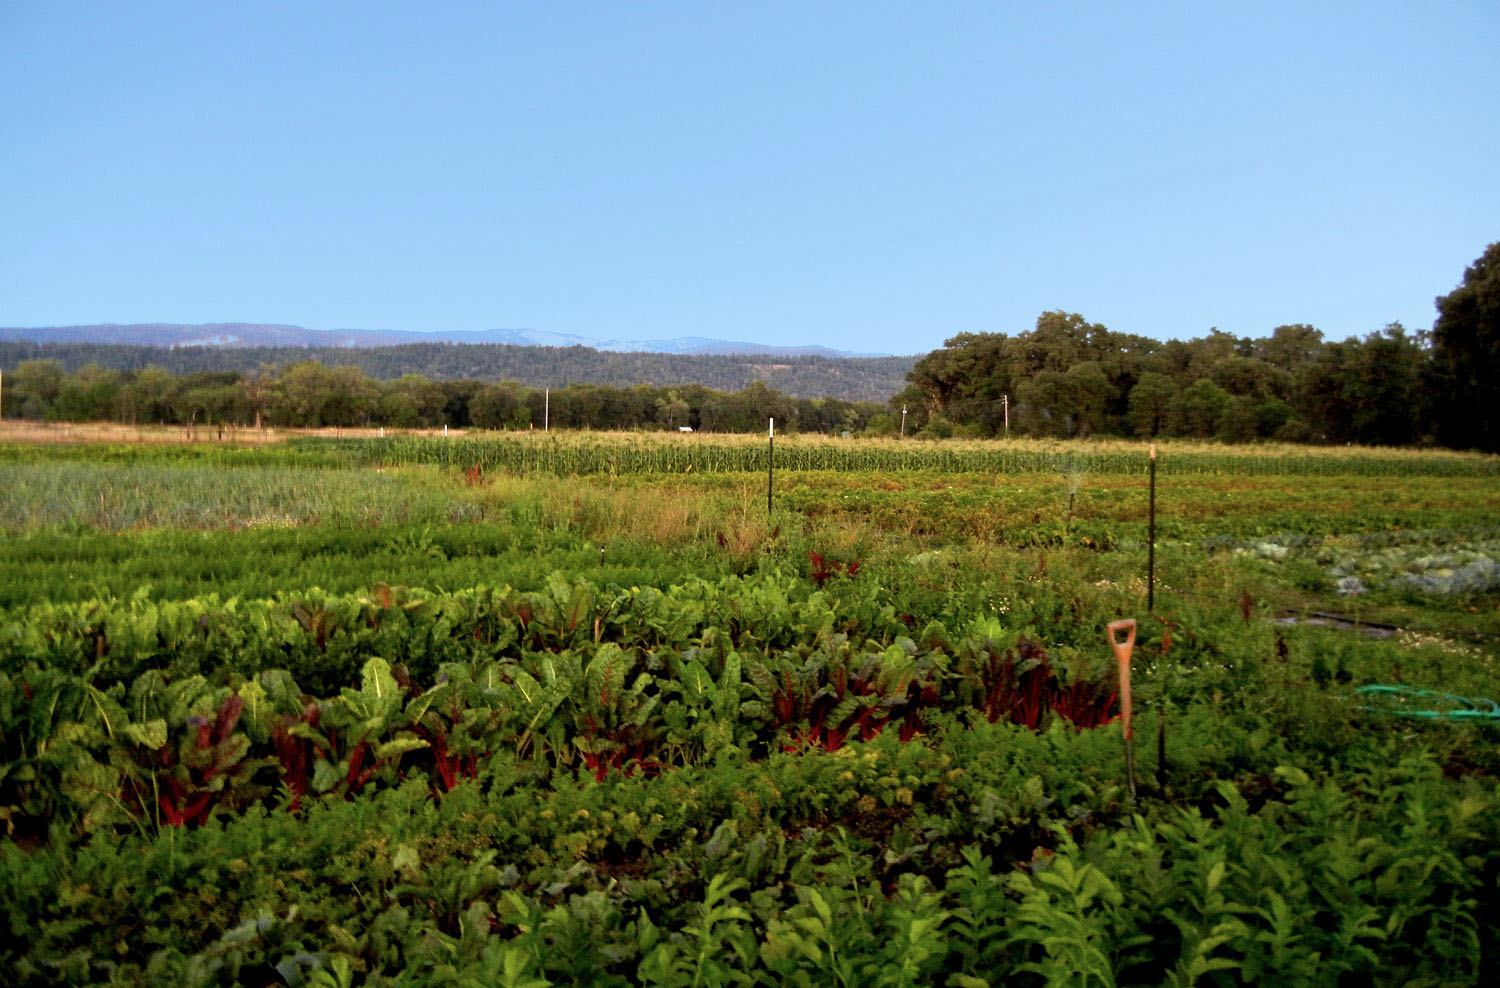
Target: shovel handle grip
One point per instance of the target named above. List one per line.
(1122, 648)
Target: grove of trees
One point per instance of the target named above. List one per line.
(1466, 357)
(848, 378)
(311, 394)
(1070, 377)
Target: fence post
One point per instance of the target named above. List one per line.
(1151, 540)
(770, 462)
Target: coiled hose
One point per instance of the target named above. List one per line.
(1435, 705)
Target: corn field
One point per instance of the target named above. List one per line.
(619, 454)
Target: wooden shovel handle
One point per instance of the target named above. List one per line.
(1122, 648)
(1122, 656)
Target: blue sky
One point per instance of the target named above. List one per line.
(869, 176)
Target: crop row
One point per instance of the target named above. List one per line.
(977, 857)
(176, 749)
(324, 639)
(701, 454)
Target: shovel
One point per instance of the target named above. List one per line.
(1122, 656)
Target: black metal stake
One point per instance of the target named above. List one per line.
(1151, 541)
(770, 463)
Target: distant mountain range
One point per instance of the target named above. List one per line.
(802, 372)
(240, 335)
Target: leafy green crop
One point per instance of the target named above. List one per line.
(869, 740)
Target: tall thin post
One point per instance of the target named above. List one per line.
(1151, 540)
(903, 421)
(1005, 403)
(546, 409)
(770, 463)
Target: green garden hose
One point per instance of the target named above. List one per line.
(1462, 707)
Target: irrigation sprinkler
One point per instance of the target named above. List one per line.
(1122, 656)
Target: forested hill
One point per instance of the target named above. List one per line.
(846, 378)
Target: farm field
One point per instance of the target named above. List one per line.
(543, 710)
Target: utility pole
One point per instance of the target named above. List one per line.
(903, 421)
(1005, 403)
(546, 409)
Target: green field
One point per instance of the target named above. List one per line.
(520, 711)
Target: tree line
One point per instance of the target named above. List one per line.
(848, 378)
(1070, 377)
(1065, 377)
(309, 394)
